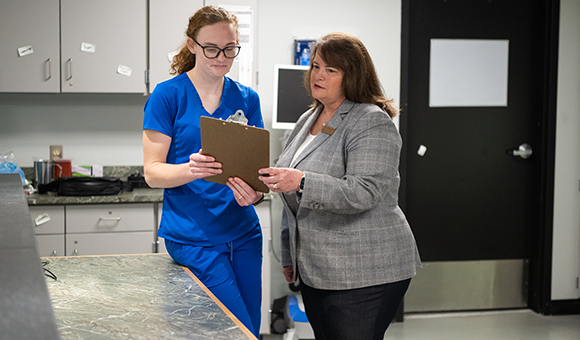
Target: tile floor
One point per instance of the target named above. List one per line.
(501, 325)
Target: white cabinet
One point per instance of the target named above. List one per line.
(29, 46)
(94, 229)
(50, 235)
(168, 20)
(106, 218)
(109, 243)
(98, 229)
(104, 46)
(77, 46)
(263, 211)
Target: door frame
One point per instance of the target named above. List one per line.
(540, 269)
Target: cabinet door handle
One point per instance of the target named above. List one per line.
(109, 219)
(69, 64)
(49, 68)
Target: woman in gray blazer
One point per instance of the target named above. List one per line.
(343, 233)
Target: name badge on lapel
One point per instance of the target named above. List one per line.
(328, 130)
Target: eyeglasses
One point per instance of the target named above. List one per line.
(212, 52)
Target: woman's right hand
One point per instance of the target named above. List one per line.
(202, 166)
(288, 272)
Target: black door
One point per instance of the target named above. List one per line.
(465, 193)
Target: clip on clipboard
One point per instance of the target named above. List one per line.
(241, 149)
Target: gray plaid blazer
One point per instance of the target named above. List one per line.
(346, 230)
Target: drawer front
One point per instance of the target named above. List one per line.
(104, 218)
(109, 243)
(50, 245)
(56, 215)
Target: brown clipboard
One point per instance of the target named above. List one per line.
(241, 149)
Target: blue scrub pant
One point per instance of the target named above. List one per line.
(232, 272)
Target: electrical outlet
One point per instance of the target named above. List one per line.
(55, 152)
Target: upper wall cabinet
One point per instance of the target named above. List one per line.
(103, 46)
(29, 46)
(168, 20)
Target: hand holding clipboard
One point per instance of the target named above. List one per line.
(242, 150)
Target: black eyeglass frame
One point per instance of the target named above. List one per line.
(220, 50)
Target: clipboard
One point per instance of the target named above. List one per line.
(241, 149)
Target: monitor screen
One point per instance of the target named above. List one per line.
(290, 97)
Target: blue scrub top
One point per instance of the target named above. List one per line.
(199, 212)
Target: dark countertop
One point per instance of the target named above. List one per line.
(24, 302)
(135, 196)
(122, 172)
(135, 297)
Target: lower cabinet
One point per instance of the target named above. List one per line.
(48, 222)
(140, 242)
(50, 245)
(94, 229)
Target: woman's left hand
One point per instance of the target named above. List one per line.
(244, 193)
(281, 179)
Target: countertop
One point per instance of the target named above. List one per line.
(121, 172)
(135, 297)
(24, 302)
(135, 196)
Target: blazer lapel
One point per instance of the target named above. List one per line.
(333, 124)
(297, 140)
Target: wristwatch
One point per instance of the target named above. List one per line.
(301, 186)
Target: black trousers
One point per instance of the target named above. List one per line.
(354, 314)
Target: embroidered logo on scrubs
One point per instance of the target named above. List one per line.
(238, 117)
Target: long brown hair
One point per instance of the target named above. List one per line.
(360, 82)
(208, 15)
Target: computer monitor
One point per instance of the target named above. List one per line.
(290, 97)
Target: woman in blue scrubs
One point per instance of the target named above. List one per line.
(211, 228)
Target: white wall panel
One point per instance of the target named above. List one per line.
(566, 242)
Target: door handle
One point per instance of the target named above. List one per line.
(109, 218)
(524, 151)
(69, 74)
(49, 68)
